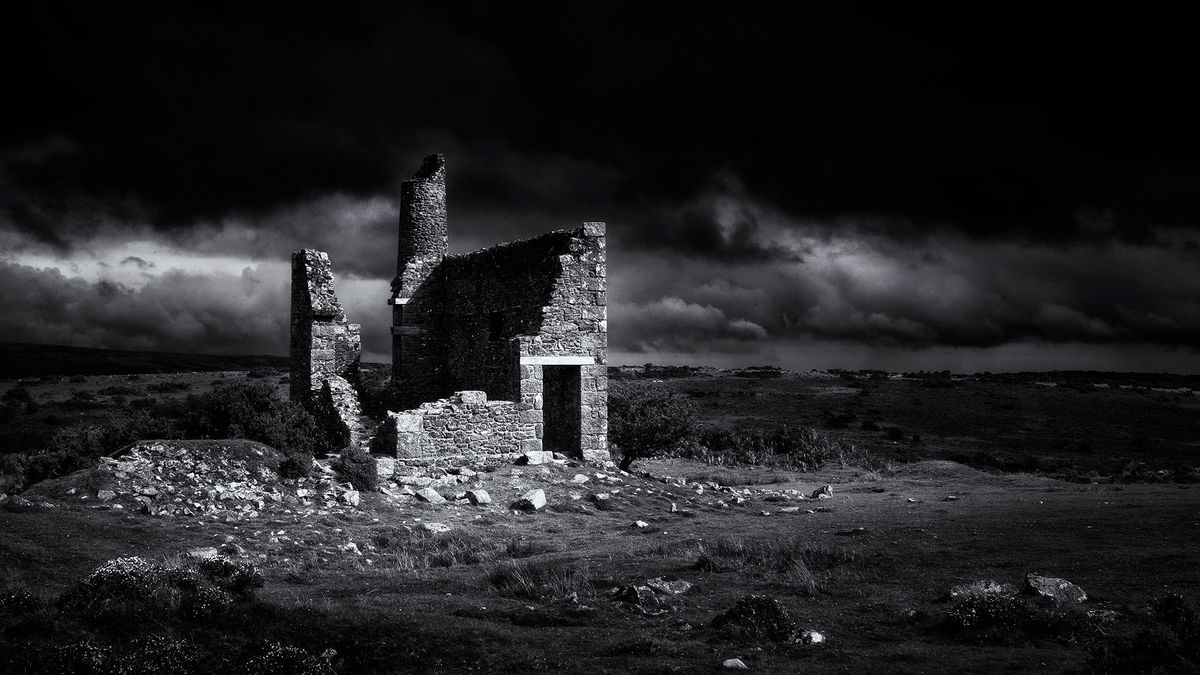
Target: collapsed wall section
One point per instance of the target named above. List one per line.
(465, 425)
(325, 349)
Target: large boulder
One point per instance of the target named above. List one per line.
(1053, 589)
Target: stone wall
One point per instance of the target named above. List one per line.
(325, 348)
(465, 425)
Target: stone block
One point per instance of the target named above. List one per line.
(430, 495)
(534, 500)
(471, 397)
(406, 422)
(385, 467)
(479, 497)
(535, 457)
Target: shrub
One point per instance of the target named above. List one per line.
(359, 468)
(80, 446)
(295, 466)
(239, 578)
(255, 411)
(756, 618)
(1009, 619)
(785, 446)
(272, 658)
(17, 601)
(645, 421)
(262, 373)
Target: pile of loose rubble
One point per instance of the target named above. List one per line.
(227, 480)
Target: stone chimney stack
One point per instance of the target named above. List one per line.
(421, 249)
(422, 226)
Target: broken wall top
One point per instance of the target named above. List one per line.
(316, 280)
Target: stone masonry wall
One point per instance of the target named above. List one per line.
(466, 424)
(325, 348)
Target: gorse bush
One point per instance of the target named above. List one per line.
(80, 446)
(255, 411)
(136, 585)
(792, 447)
(645, 421)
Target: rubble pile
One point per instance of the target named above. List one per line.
(226, 479)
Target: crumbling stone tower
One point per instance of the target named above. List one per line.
(512, 341)
(422, 247)
(325, 348)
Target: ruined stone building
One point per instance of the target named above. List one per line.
(500, 351)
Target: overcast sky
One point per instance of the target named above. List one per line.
(1013, 189)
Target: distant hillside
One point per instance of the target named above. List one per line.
(20, 359)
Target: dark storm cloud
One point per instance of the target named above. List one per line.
(182, 312)
(893, 177)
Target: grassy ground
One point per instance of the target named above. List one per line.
(517, 592)
(1071, 428)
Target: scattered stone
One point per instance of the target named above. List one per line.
(674, 508)
(950, 498)
(640, 524)
(352, 497)
(533, 500)
(641, 596)
(668, 585)
(416, 481)
(430, 495)
(350, 547)
(811, 637)
(535, 457)
(465, 471)
(764, 513)
(106, 495)
(436, 528)
(823, 492)
(479, 497)
(580, 479)
(600, 497)
(1060, 591)
(734, 664)
(790, 509)
(203, 553)
(232, 549)
(981, 588)
(911, 500)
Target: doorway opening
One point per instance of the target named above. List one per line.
(561, 408)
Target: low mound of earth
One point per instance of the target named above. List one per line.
(231, 479)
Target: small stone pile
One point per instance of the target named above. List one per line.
(228, 480)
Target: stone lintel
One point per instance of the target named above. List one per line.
(557, 361)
